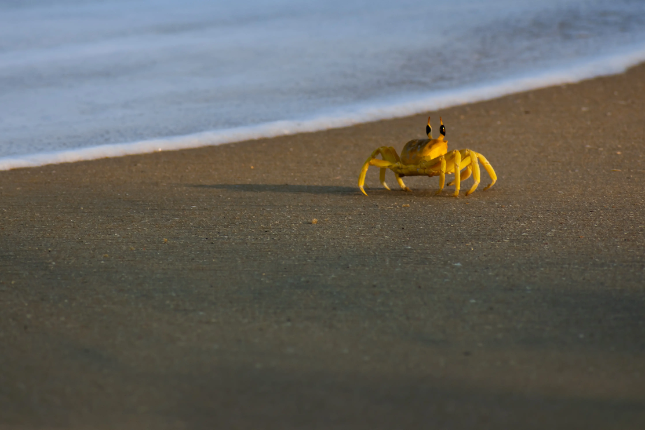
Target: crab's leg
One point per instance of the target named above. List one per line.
(475, 166)
(361, 177)
(489, 170)
(366, 165)
(457, 161)
(382, 178)
(442, 174)
(388, 153)
(393, 156)
(373, 162)
(401, 184)
(464, 175)
(389, 157)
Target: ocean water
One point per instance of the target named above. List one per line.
(84, 79)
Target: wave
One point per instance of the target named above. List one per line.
(348, 115)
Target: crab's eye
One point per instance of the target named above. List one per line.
(428, 129)
(442, 129)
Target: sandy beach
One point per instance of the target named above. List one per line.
(191, 289)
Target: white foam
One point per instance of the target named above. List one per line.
(347, 116)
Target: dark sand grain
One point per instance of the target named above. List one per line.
(190, 289)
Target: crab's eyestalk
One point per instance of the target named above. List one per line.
(429, 129)
(442, 128)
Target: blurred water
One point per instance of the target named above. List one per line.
(80, 74)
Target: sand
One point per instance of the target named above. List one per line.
(191, 289)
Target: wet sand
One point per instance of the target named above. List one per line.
(191, 289)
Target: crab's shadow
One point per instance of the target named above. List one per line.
(317, 189)
(280, 188)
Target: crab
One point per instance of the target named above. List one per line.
(429, 157)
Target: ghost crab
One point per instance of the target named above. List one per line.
(429, 157)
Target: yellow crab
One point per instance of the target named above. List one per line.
(429, 157)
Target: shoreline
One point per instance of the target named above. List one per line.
(191, 289)
(393, 108)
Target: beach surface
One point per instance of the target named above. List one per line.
(193, 289)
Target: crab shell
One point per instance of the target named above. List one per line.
(416, 149)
